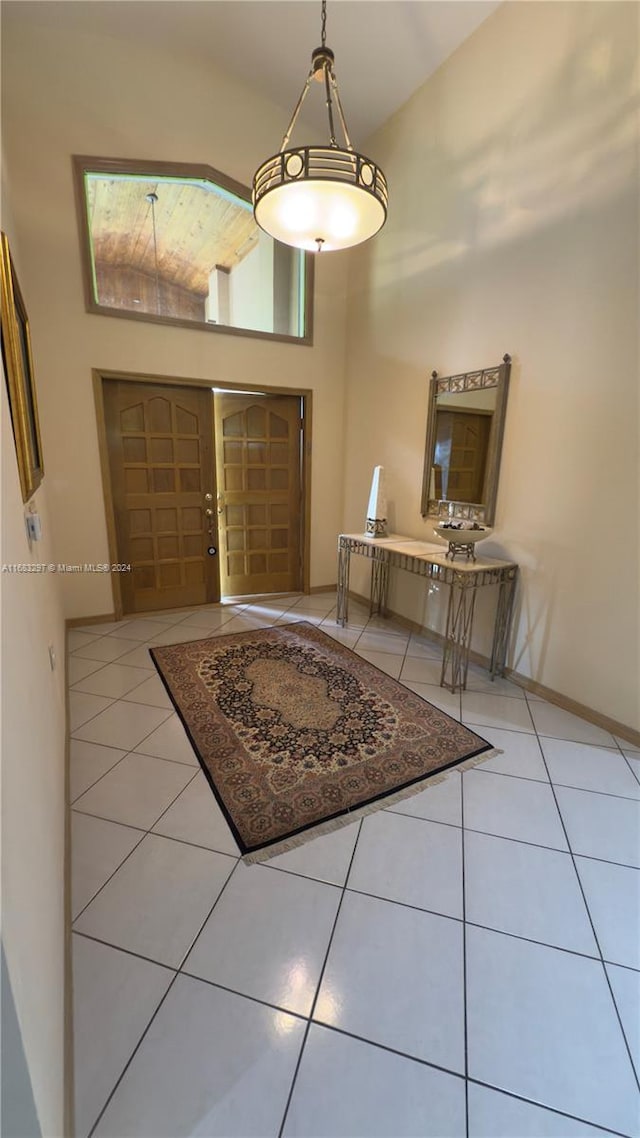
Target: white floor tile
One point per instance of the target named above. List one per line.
(163, 617)
(396, 858)
(345, 1087)
(496, 711)
(439, 803)
(208, 620)
(98, 848)
(267, 937)
(77, 639)
(103, 627)
(423, 646)
(212, 1064)
(589, 768)
(113, 681)
(634, 762)
(297, 616)
(158, 900)
(316, 602)
(385, 661)
(494, 1115)
(106, 648)
(601, 826)
(347, 636)
(325, 858)
(83, 707)
(526, 890)
(561, 724)
(138, 658)
(179, 634)
(151, 692)
(169, 741)
(267, 612)
(142, 630)
(521, 755)
(626, 745)
(541, 1024)
(377, 623)
(122, 724)
(421, 670)
(512, 808)
(479, 679)
(242, 623)
(447, 701)
(626, 990)
(87, 763)
(77, 669)
(114, 995)
(136, 792)
(394, 976)
(376, 641)
(613, 898)
(196, 817)
(358, 617)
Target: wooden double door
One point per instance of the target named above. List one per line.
(206, 492)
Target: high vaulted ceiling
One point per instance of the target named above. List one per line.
(194, 228)
(385, 49)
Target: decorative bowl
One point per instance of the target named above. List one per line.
(460, 536)
(462, 542)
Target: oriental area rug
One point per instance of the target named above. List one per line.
(297, 735)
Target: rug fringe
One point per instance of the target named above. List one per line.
(297, 840)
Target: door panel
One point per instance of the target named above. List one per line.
(161, 462)
(462, 439)
(259, 492)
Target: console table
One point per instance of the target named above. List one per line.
(464, 578)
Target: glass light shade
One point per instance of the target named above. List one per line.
(320, 198)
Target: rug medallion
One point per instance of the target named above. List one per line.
(298, 735)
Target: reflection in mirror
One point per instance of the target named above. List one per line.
(179, 244)
(464, 440)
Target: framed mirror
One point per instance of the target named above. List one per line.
(465, 426)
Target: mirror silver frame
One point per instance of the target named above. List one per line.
(497, 377)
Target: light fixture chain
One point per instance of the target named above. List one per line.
(324, 23)
(289, 131)
(152, 199)
(343, 121)
(328, 76)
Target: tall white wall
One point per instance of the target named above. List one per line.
(251, 288)
(33, 785)
(513, 227)
(67, 92)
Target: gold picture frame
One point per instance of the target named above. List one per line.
(18, 366)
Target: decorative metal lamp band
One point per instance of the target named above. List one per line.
(349, 198)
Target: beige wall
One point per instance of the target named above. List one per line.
(513, 227)
(69, 93)
(33, 784)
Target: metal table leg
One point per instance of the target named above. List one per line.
(455, 654)
(501, 627)
(342, 599)
(379, 585)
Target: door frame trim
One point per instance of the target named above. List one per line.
(100, 375)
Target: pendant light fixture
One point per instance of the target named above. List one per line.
(320, 198)
(152, 198)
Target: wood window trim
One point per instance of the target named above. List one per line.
(99, 375)
(83, 164)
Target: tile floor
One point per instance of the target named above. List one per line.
(465, 963)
